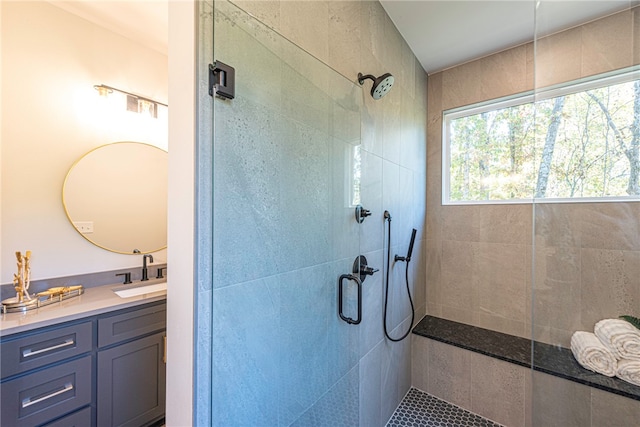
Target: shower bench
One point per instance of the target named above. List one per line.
(554, 360)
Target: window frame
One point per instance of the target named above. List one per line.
(623, 75)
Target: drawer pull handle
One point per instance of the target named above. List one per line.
(28, 402)
(29, 353)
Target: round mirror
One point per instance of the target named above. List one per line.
(116, 197)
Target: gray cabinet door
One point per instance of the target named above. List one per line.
(131, 383)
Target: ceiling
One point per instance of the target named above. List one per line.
(441, 33)
(145, 21)
(447, 33)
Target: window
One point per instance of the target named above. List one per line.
(580, 141)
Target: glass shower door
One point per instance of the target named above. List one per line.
(586, 262)
(285, 173)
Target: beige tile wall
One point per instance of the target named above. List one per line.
(480, 262)
(513, 395)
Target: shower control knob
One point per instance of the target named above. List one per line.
(361, 214)
(368, 270)
(361, 268)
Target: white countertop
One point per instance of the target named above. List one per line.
(97, 300)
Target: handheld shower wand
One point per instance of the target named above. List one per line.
(407, 259)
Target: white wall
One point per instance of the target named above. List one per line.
(182, 139)
(50, 61)
(1, 106)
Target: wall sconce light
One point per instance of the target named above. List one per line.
(135, 103)
(103, 90)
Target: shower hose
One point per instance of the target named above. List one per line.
(386, 292)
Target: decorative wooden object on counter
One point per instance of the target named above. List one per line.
(50, 296)
(21, 281)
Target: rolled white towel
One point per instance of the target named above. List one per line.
(629, 370)
(592, 354)
(621, 337)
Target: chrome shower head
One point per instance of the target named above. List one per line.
(381, 85)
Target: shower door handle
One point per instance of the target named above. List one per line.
(341, 281)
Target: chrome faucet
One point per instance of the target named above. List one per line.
(145, 272)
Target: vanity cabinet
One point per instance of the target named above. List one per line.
(106, 370)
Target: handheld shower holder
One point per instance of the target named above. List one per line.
(407, 258)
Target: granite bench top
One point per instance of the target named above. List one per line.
(553, 360)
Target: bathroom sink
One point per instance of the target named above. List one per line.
(137, 290)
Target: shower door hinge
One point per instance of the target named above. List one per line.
(222, 80)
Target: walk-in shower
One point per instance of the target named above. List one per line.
(272, 348)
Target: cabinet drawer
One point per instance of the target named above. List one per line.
(46, 346)
(44, 395)
(81, 418)
(131, 324)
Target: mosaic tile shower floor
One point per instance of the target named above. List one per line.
(421, 409)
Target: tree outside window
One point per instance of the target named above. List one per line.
(582, 141)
